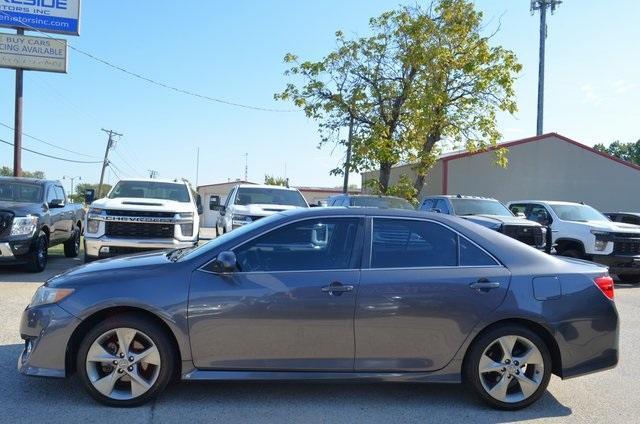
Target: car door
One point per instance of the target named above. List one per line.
(423, 290)
(65, 215)
(289, 306)
(55, 224)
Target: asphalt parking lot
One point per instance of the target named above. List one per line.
(611, 396)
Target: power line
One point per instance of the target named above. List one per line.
(120, 171)
(48, 143)
(151, 80)
(126, 162)
(49, 156)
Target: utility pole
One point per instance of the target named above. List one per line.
(17, 127)
(66, 177)
(246, 166)
(153, 174)
(110, 144)
(542, 6)
(347, 162)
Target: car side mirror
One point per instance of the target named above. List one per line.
(214, 203)
(56, 203)
(225, 263)
(199, 204)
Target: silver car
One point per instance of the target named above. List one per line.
(328, 294)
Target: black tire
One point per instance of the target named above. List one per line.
(629, 278)
(37, 260)
(151, 329)
(572, 253)
(471, 366)
(72, 246)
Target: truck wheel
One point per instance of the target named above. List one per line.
(37, 260)
(572, 253)
(72, 246)
(630, 278)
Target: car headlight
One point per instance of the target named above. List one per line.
(96, 211)
(601, 240)
(47, 295)
(185, 215)
(24, 226)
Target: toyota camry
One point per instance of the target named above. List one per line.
(328, 294)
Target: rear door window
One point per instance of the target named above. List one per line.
(403, 243)
(427, 205)
(472, 255)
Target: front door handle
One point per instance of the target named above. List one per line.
(336, 288)
(484, 285)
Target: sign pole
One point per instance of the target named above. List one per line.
(17, 127)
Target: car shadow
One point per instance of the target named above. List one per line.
(56, 264)
(27, 399)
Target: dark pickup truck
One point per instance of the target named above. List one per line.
(35, 215)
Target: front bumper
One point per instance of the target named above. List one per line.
(93, 246)
(619, 264)
(16, 250)
(46, 331)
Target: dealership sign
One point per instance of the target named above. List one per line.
(33, 53)
(59, 16)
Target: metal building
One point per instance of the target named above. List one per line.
(546, 167)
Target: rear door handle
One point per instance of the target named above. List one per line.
(484, 285)
(336, 288)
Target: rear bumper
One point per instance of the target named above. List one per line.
(619, 264)
(93, 246)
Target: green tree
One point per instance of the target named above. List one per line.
(423, 76)
(625, 151)
(5, 171)
(276, 181)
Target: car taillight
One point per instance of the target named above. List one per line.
(605, 284)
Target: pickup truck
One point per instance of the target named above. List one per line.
(35, 215)
(141, 215)
(580, 231)
(492, 214)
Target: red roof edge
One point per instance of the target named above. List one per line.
(539, 138)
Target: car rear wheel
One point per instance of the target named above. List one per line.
(125, 361)
(72, 246)
(509, 367)
(37, 260)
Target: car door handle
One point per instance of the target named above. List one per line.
(337, 288)
(484, 285)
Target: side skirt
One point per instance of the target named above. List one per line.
(409, 377)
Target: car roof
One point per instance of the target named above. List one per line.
(275, 187)
(151, 180)
(458, 196)
(623, 213)
(29, 180)
(548, 202)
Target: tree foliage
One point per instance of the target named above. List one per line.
(625, 151)
(276, 181)
(424, 75)
(5, 171)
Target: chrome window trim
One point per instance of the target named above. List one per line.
(498, 264)
(201, 268)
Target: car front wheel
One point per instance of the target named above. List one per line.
(125, 361)
(509, 367)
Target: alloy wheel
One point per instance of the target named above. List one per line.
(123, 363)
(511, 369)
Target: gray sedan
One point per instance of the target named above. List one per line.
(328, 294)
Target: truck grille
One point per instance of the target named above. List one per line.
(6, 218)
(146, 214)
(138, 230)
(631, 247)
(528, 235)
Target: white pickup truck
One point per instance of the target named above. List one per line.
(582, 232)
(141, 215)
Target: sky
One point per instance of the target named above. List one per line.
(234, 51)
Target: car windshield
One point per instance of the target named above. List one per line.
(381, 202)
(479, 207)
(151, 190)
(578, 213)
(12, 191)
(269, 196)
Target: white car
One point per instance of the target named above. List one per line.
(141, 215)
(249, 202)
(580, 231)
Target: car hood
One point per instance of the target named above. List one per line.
(148, 205)
(261, 209)
(496, 220)
(612, 226)
(21, 209)
(112, 267)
